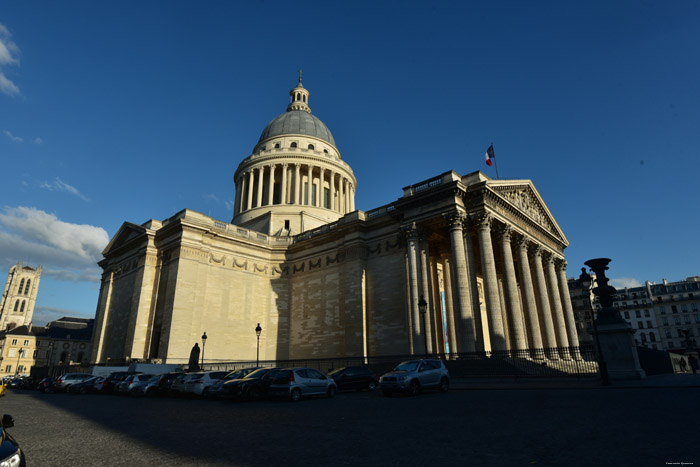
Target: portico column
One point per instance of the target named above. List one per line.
(545, 311)
(451, 322)
(427, 321)
(515, 312)
(283, 190)
(334, 202)
(528, 292)
(260, 186)
(310, 186)
(341, 197)
(250, 190)
(568, 309)
(237, 203)
(473, 284)
(493, 303)
(297, 183)
(462, 302)
(412, 237)
(557, 311)
(271, 185)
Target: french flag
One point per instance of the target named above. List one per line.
(490, 155)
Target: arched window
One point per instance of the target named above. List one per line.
(80, 357)
(298, 97)
(64, 356)
(326, 151)
(644, 338)
(16, 305)
(311, 146)
(21, 309)
(304, 98)
(652, 337)
(26, 288)
(277, 145)
(293, 145)
(21, 286)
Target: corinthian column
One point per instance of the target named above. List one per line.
(427, 296)
(319, 188)
(297, 183)
(450, 311)
(411, 233)
(557, 310)
(528, 291)
(493, 302)
(515, 312)
(352, 198)
(250, 190)
(260, 186)
(310, 186)
(341, 197)
(545, 310)
(568, 309)
(283, 190)
(271, 185)
(462, 302)
(470, 249)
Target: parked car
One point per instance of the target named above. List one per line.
(180, 383)
(412, 376)
(296, 383)
(354, 377)
(113, 379)
(139, 385)
(215, 389)
(10, 453)
(63, 382)
(252, 387)
(46, 385)
(85, 387)
(159, 385)
(125, 386)
(200, 383)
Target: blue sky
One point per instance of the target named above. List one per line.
(127, 111)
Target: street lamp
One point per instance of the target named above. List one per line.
(18, 357)
(48, 360)
(258, 330)
(586, 282)
(423, 308)
(204, 341)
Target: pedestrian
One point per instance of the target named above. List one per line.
(693, 360)
(684, 365)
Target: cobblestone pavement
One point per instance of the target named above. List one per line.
(539, 427)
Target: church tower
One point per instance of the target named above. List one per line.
(19, 296)
(295, 179)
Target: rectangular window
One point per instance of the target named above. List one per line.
(680, 332)
(664, 320)
(638, 313)
(13, 353)
(694, 306)
(686, 318)
(662, 310)
(35, 354)
(627, 314)
(674, 308)
(14, 341)
(326, 198)
(640, 325)
(20, 368)
(38, 343)
(649, 324)
(26, 342)
(677, 319)
(697, 318)
(646, 313)
(8, 368)
(684, 308)
(668, 334)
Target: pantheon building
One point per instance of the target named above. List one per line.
(325, 280)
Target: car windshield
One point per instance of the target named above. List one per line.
(411, 365)
(335, 372)
(257, 373)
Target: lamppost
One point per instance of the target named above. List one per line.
(48, 360)
(258, 330)
(18, 357)
(586, 282)
(204, 341)
(423, 308)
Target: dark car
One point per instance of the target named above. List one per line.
(354, 378)
(10, 453)
(254, 386)
(161, 385)
(216, 390)
(115, 378)
(85, 387)
(46, 385)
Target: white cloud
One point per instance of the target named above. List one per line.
(66, 251)
(8, 56)
(230, 204)
(60, 185)
(39, 141)
(622, 282)
(14, 138)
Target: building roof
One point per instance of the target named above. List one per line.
(297, 122)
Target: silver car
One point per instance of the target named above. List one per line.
(296, 383)
(412, 376)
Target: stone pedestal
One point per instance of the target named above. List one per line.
(620, 351)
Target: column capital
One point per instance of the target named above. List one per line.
(482, 220)
(410, 231)
(560, 263)
(520, 241)
(285, 164)
(505, 232)
(536, 249)
(454, 219)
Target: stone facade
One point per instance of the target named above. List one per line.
(19, 296)
(486, 256)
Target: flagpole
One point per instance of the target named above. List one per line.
(495, 163)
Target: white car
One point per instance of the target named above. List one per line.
(198, 383)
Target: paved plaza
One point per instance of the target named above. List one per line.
(636, 425)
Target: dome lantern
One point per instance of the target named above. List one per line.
(300, 97)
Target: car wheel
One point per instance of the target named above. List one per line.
(444, 385)
(371, 386)
(414, 389)
(331, 391)
(295, 395)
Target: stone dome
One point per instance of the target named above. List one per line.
(295, 122)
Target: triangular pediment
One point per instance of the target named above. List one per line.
(522, 196)
(124, 235)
